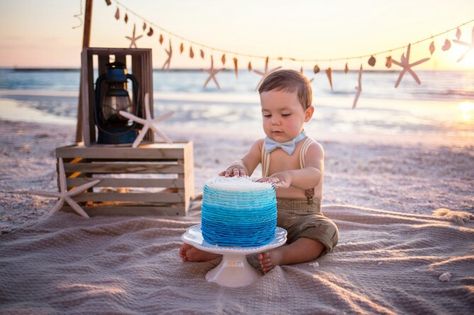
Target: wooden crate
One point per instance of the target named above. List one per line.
(96, 59)
(153, 179)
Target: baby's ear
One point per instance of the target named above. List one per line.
(308, 113)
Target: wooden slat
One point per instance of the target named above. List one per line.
(103, 61)
(121, 58)
(177, 210)
(130, 182)
(137, 73)
(124, 168)
(148, 69)
(113, 162)
(87, 77)
(189, 171)
(113, 51)
(146, 152)
(142, 75)
(131, 197)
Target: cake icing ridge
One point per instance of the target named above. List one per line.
(237, 211)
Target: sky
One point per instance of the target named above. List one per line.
(42, 33)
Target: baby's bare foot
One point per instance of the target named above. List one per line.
(190, 253)
(183, 249)
(269, 260)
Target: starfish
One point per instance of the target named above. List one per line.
(66, 196)
(406, 65)
(265, 71)
(212, 74)
(470, 46)
(148, 123)
(358, 88)
(133, 39)
(169, 52)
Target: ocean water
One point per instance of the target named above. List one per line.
(442, 107)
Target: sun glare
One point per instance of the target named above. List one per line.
(467, 111)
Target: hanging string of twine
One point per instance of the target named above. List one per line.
(302, 60)
(79, 17)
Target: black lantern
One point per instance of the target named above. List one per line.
(111, 97)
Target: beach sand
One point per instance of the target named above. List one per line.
(405, 176)
(393, 255)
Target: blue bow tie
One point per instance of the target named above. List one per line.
(288, 147)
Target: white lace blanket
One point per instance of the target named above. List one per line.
(385, 262)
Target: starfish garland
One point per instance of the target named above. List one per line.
(133, 39)
(470, 46)
(358, 88)
(406, 65)
(148, 123)
(169, 52)
(212, 74)
(265, 71)
(66, 196)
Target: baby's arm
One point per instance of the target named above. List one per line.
(247, 164)
(305, 178)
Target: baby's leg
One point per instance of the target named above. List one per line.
(300, 251)
(191, 253)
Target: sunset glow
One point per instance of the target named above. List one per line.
(303, 30)
(466, 110)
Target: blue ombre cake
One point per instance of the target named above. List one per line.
(238, 212)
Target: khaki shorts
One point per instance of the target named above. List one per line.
(301, 219)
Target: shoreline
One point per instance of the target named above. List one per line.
(401, 177)
(14, 110)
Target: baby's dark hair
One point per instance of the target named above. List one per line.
(289, 81)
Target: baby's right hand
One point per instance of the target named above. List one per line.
(235, 170)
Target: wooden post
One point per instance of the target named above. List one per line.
(86, 37)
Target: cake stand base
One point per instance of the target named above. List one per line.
(233, 270)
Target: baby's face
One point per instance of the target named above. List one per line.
(283, 115)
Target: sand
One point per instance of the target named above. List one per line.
(404, 210)
(405, 176)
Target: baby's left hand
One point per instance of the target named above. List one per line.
(279, 180)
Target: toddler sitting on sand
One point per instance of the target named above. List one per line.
(294, 163)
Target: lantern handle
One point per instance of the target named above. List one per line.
(136, 95)
(99, 119)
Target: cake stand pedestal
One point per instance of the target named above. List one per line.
(233, 270)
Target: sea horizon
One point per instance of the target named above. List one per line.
(441, 107)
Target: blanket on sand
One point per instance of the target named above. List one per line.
(385, 262)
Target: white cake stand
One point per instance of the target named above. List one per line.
(234, 270)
